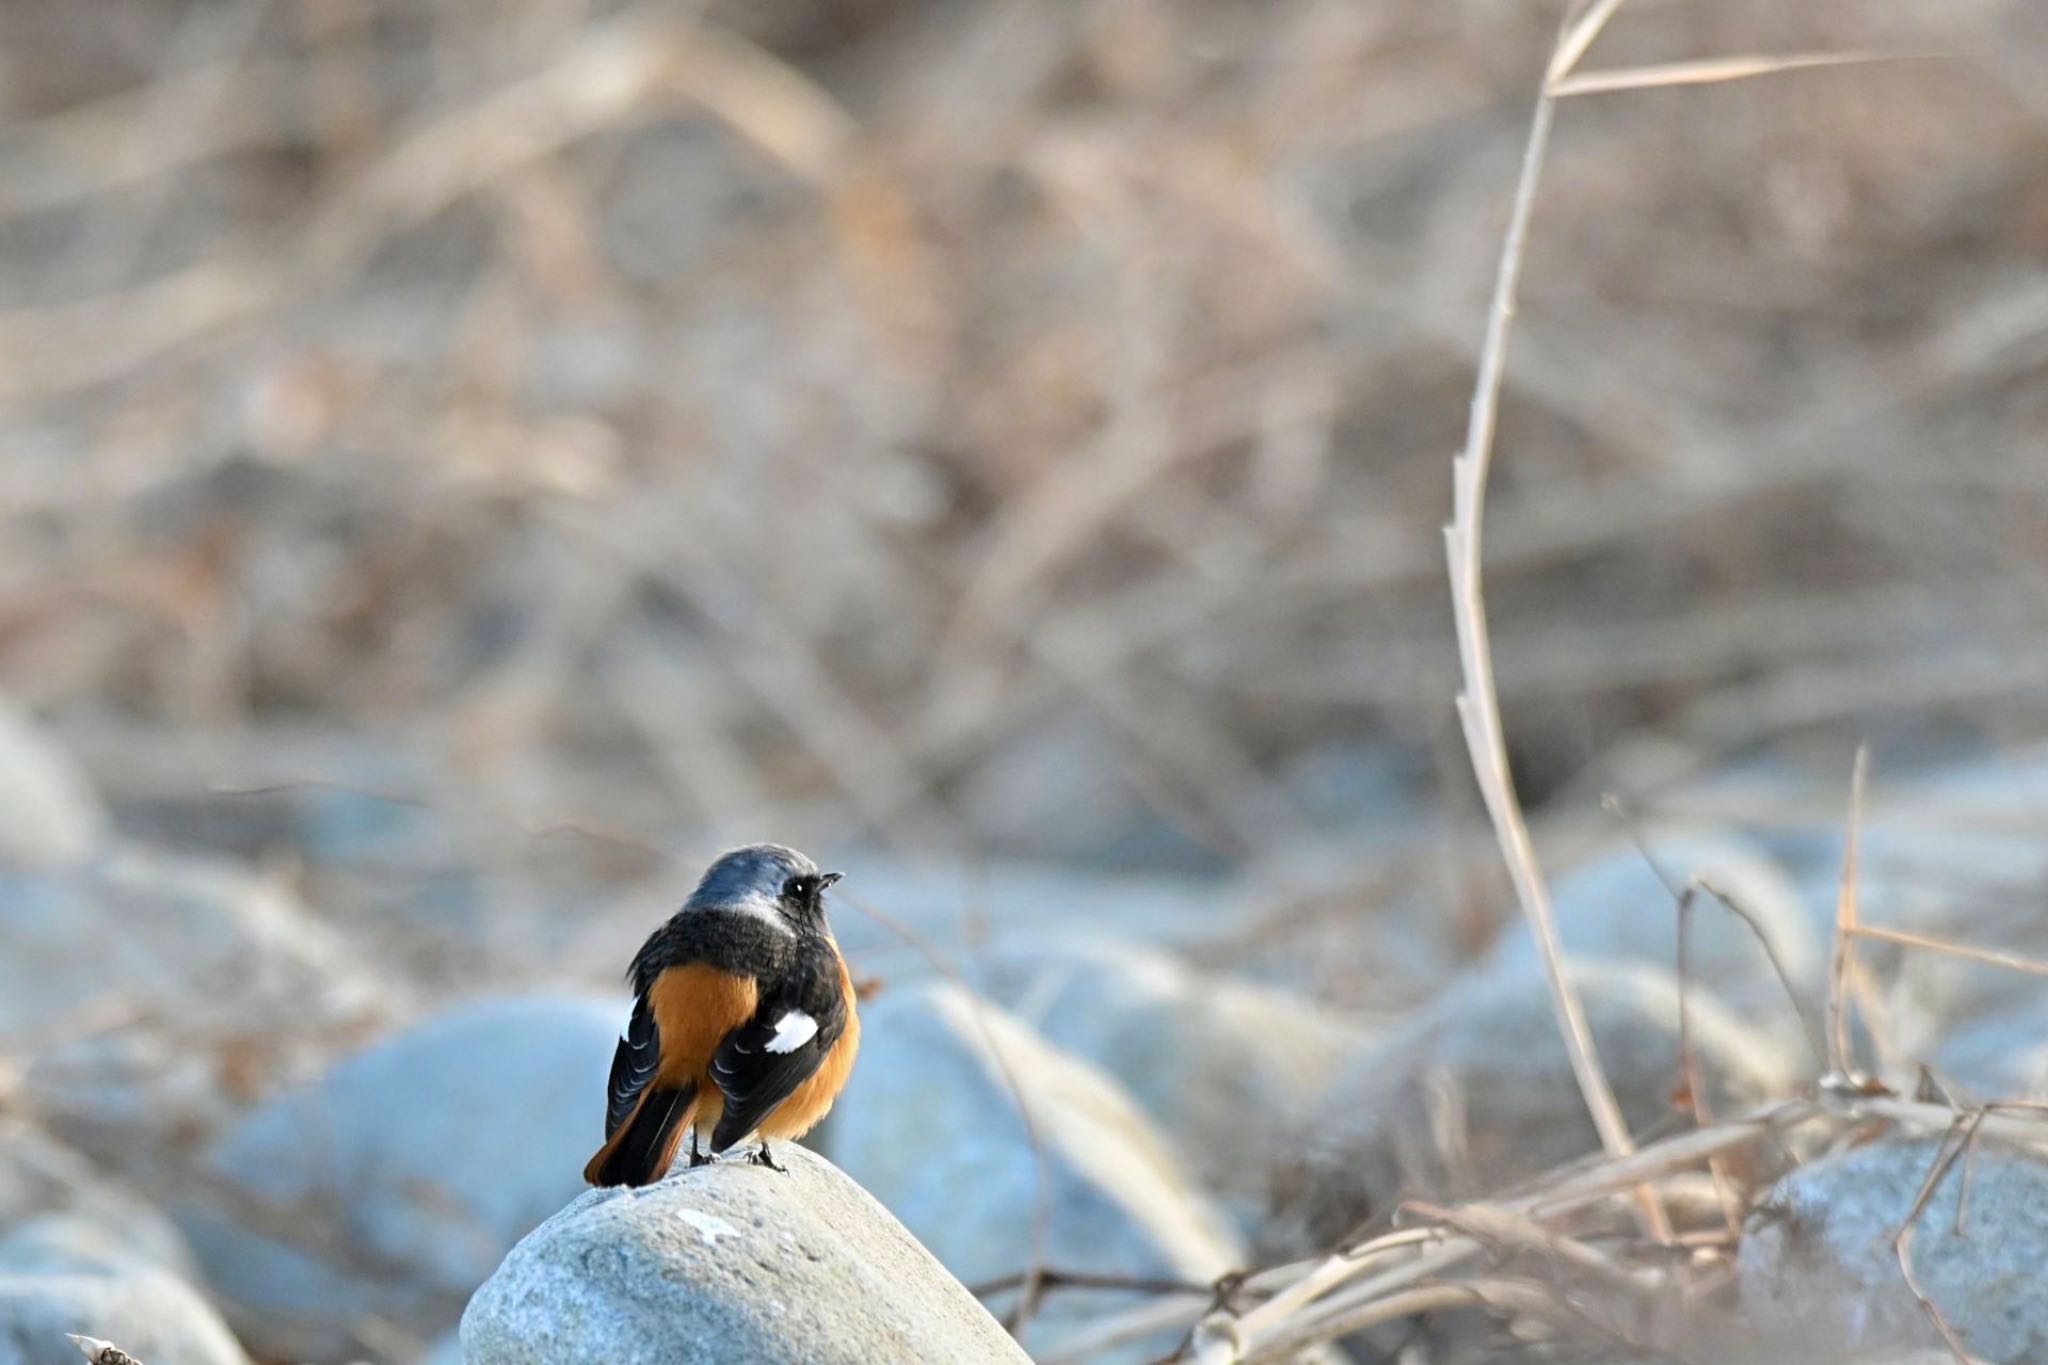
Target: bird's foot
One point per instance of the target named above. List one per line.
(698, 1158)
(761, 1157)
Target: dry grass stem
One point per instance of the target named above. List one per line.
(1842, 966)
(1478, 702)
(1716, 70)
(1990, 956)
(1579, 35)
(1348, 1281)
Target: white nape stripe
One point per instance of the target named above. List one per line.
(754, 905)
(792, 1031)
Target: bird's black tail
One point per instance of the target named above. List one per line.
(640, 1151)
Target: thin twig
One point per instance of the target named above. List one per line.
(1050, 1278)
(1810, 1027)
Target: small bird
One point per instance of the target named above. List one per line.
(743, 1021)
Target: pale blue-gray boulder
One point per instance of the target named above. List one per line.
(969, 1127)
(1613, 906)
(1219, 1063)
(1818, 1269)
(1476, 1091)
(728, 1263)
(391, 1187)
(41, 1176)
(61, 1275)
(158, 930)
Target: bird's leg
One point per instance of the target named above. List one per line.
(762, 1158)
(696, 1158)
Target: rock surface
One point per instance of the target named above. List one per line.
(1613, 906)
(160, 930)
(1221, 1064)
(60, 1275)
(2000, 1056)
(930, 1125)
(1476, 1091)
(727, 1263)
(1817, 1263)
(41, 1176)
(412, 1167)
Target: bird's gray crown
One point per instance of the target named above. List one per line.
(749, 876)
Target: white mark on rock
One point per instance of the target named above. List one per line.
(709, 1226)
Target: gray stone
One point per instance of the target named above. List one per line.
(407, 1171)
(41, 1176)
(1221, 1064)
(1817, 1263)
(930, 1124)
(60, 1275)
(2001, 1056)
(160, 930)
(1477, 1091)
(722, 1264)
(1613, 906)
(54, 817)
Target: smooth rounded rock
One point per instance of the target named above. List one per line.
(1817, 1263)
(1221, 1064)
(40, 1176)
(1477, 1091)
(158, 930)
(1613, 906)
(725, 1263)
(931, 1125)
(410, 1169)
(59, 1276)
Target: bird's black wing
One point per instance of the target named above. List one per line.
(764, 1060)
(634, 1063)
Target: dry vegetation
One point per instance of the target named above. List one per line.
(520, 441)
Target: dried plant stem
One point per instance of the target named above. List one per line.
(1318, 1299)
(1715, 70)
(1579, 34)
(1840, 1056)
(1479, 703)
(1991, 956)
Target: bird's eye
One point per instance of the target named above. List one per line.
(796, 888)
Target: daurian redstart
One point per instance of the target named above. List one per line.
(743, 1020)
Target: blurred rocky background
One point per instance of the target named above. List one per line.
(462, 464)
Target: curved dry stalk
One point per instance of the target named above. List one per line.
(1479, 703)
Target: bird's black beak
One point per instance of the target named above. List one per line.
(826, 879)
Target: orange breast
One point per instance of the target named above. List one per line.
(694, 1008)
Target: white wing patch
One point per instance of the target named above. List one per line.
(792, 1031)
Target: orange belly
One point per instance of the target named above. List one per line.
(696, 1006)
